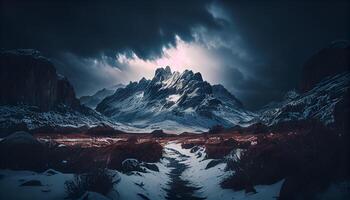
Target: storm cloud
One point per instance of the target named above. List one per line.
(88, 28)
(255, 49)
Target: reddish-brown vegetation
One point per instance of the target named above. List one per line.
(314, 157)
(150, 151)
(78, 158)
(224, 147)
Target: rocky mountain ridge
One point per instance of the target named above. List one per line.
(183, 99)
(34, 96)
(93, 100)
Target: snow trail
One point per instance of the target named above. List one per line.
(191, 178)
(179, 188)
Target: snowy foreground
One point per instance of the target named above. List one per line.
(165, 184)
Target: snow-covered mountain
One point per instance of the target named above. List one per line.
(174, 101)
(93, 100)
(318, 103)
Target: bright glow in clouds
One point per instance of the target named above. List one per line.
(193, 56)
(89, 75)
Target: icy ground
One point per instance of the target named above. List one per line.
(182, 175)
(206, 182)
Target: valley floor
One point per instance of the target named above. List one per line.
(182, 175)
(191, 166)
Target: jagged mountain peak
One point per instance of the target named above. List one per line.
(290, 95)
(183, 98)
(162, 73)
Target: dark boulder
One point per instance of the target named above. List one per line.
(194, 149)
(158, 133)
(143, 152)
(213, 163)
(21, 150)
(130, 165)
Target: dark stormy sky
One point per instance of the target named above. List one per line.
(254, 48)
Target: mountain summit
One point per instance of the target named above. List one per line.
(174, 100)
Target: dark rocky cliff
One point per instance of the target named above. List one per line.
(329, 61)
(28, 78)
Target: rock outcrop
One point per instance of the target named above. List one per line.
(26, 77)
(33, 97)
(329, 61)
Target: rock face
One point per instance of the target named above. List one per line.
(173, 98)
(317, 104)
(26, 77)
(329, 61)
(33, 96)
(324, 91)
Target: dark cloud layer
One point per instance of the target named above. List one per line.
(88, 28)
(274, 37)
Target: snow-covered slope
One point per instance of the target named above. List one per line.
(93, 100)
(182, 99)
(31, 118)
(318, 103)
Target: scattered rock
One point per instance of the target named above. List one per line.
(140, 184)
(213, 163)
(130, 165)
(151, 166)
(199, 154)
(149, 152)
(194, 149)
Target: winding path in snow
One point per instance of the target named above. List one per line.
(189, 177)
(179, 188)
